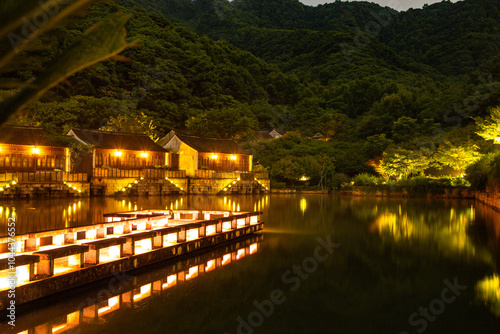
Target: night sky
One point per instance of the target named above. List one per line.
(396, 4)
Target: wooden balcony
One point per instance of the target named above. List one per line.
(149, 174)
(43, 177)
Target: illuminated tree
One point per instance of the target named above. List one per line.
(457, 157)
(489, 128)
(402, 163)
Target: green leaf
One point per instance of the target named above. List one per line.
(102, 41)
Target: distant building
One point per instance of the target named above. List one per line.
(275, 134)
(319, 136)
(30, 149)
(198, 153)
(127, 151)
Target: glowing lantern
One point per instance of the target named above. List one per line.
(35, 150)
(118, 153)
(214, 156)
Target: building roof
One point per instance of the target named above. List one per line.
(116, 140)
(317, 136)
(205, 144)
(26, 136)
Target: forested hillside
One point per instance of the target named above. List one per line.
(370, 78)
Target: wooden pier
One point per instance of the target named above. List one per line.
(49, 262)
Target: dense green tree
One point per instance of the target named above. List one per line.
(489, 128)
(132, 123)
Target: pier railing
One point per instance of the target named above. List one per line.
(43, 177)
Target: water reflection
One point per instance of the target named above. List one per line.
(488, 291)
(132, 291)
(394, 257)
(42, 215)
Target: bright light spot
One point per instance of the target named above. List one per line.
(214, 156)
(303, 205)
(118, 153)
(171, 281)
(35, 150)
(233, 157)
(144, 154)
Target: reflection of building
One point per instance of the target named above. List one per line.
(30, 149)
(201, 153)
(113, 150)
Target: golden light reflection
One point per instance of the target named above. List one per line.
(171, 281)
(303, 205)
(488, 291)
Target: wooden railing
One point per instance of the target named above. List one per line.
(42, 176)
(135, 173)
(211, 174)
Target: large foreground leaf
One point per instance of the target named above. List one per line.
(102, 41)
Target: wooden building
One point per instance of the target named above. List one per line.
(118, 151)
(202, 153)
(30, 149)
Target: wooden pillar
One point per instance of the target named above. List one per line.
(45, 267)
(202, 231)
(182, 235)
(234, 224)
(129, 247)
(69, 238)
(100, 233)
(218, 226)
(158, 241)
(92, 256)
(30, 244)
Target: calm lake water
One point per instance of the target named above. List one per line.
(324, 264)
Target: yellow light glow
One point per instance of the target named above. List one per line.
(214, 156)
(145, 292)
(144, 154)
(304, 178)
(497, 140)
(14, 183)
(210, 230)
(226, 259)
(488, 291)
(118, 153)
(253, 248)
(210, 265)
(303, 205)
(58, 328)
(192, 234)
(233, 157)
(171, 281)
(193, 272)
(240, 254)
(35, 150)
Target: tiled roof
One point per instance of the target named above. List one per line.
(27, 136)
(204, 144)
(116, 140)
